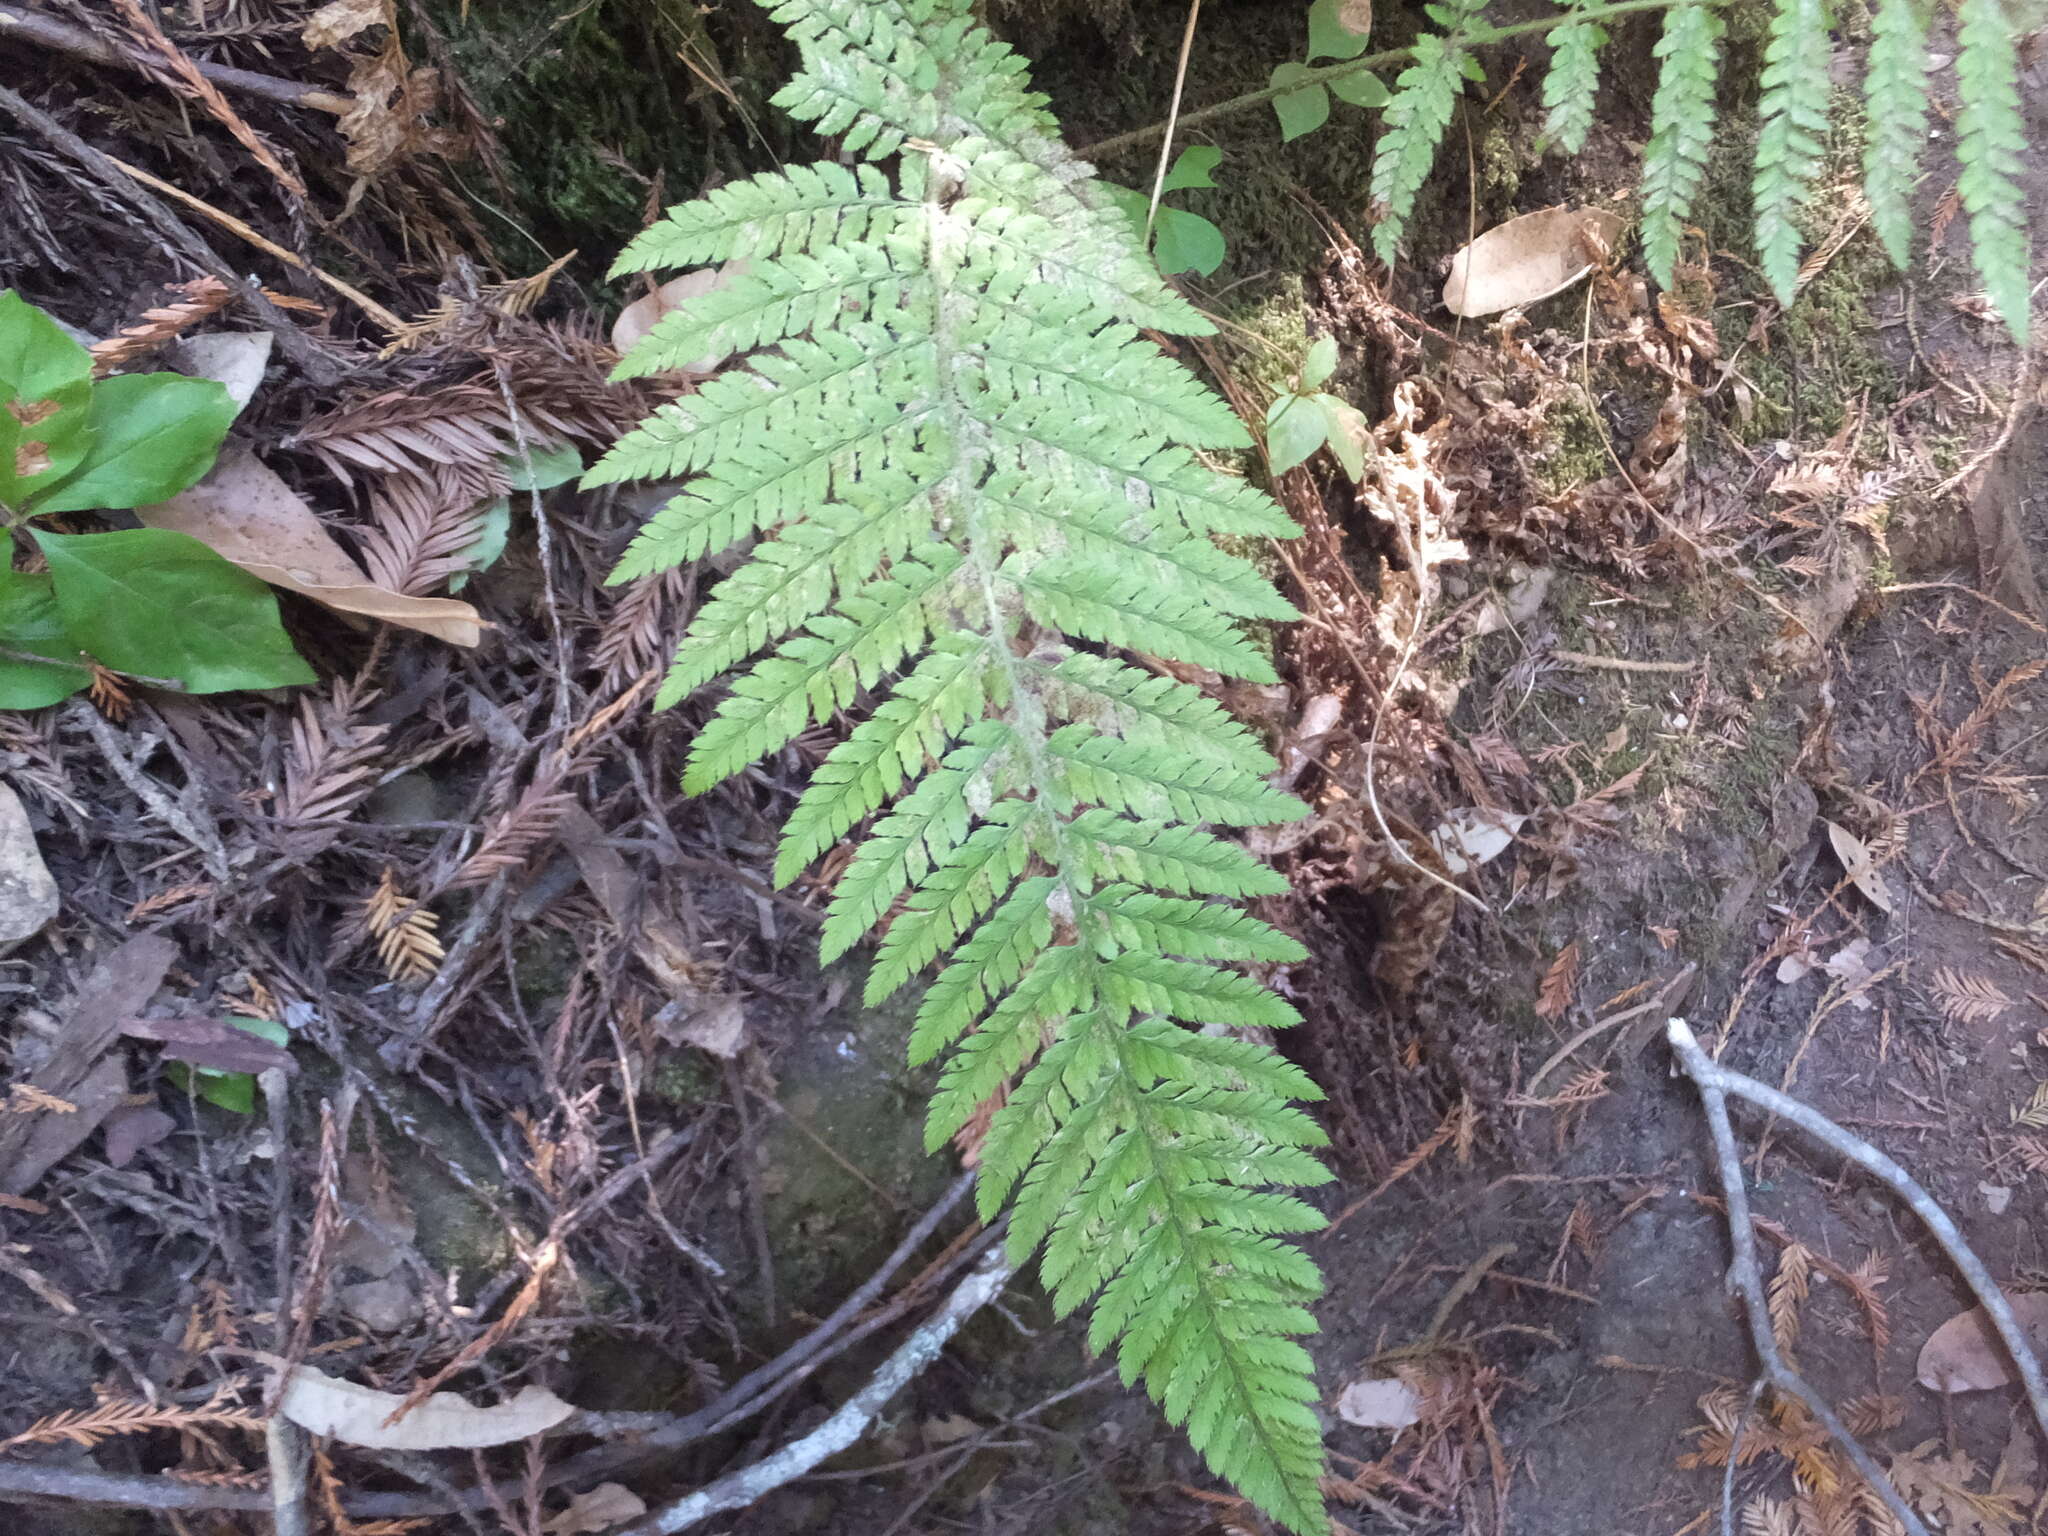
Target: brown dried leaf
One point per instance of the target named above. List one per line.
(1860, 866)
(246, 513)
(606, 1505)
(1964, 1354)
(1527, 259)
(355, 1415)
(339, 20)
(643, 314)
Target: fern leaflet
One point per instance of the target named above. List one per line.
(1681, 129)
(1573, 81)
(1415, 119)
(1895, 95)
(968, 476)
(1990, 138)
(1793, 110)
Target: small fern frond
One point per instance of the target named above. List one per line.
(1791, 136)
(1990, 138)
(976, 519)
(1411, 128)
(1572, 84)
(1895, 100)
(1681, 128)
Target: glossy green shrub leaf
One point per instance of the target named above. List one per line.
(45, 384)
(152, 436)
(1302, 110)
(31, 628)
(153, 603)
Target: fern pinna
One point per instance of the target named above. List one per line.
(979, 517)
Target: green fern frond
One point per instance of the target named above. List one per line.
(1791, 136)
(1895, 100)
(1572, 84)
(1413, 124)
(968, 478)
(1990, 139)
(1681, 129)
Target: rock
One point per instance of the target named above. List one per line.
(28, 896)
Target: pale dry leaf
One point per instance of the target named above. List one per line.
(1860, 866)
(606, 1505)
(1355, 16)
(641, 316)
(28, 892)
(355, 1415)
(1384, 1402)
(1964, 1354)
(1527, 259)
(245, 512)
(1470, 836)
(1938, 1485)
(339, 20)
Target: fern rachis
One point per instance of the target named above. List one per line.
(969, 476)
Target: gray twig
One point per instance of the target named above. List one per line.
(849, 1422)
(1745, 1277)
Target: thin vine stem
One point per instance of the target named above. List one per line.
(1116, 144)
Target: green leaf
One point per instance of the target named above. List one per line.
(1300, 111)
(1295, 428)
(1186, 242)
(1572, 86)
(1320, 363)
(1425, 95)
(544, 470)
(29, 622)
(1991, 143)
(1328, 37)
(1360, 88)
(1192, 168)
(45, 385)
(1793, 114)
(493, 527)
(234, 1092)
(1346, 431)
(154, 603)
(153, 435)
(1895, 92)
(1681, 129)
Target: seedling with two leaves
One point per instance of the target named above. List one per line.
(1308, 418)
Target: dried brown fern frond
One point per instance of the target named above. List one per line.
(420, 525)
(182, 75)
(523, 828)
(1789, 1288)
(204, 296)
(404, 931)
(330, 768)
(87, 1427)
(636, 637)
(1967, 999)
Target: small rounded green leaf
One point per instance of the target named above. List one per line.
(30, 628)
(1334, 30)
(1186, 242)
(153, 435)
(1346, 431)
(547, 468)
(1320, 363)
(1294, 429)
(154, 603)
(1300, 111)
(1361, 89)
(1192, 168)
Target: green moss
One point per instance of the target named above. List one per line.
(1576, 452)
(684, 1078)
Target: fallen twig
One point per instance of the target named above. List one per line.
(17, 24)
(739, 1489)
(1714, 1083)
(1621, 663)
(1664, 998)
(320, 367)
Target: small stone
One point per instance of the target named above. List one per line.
(28, 896)
(1996, 1197)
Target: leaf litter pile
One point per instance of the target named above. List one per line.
(384, 1052)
